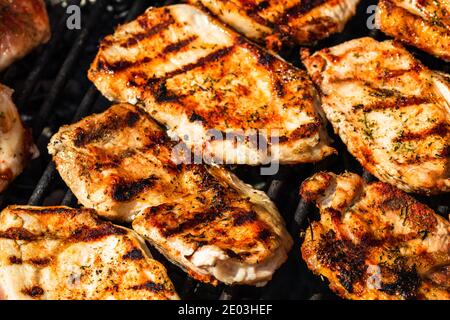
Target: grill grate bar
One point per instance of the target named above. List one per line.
(43, 185)
(62, 77)
(46, 179)
(301, 212)
(33, 76)
(68, 199)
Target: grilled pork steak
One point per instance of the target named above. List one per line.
(390, 110)
(282, 22)
(373, 241)
(224, 97)
(59, 253)
(204, 219)
(424, 24)
(23, 25)
(16, 146)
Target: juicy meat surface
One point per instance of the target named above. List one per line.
(424, 24)
(279, 23)
(16, 146)
(374, 241)
(390, 110)
(223, 96)
(202, 218)
(59, 253)
(23, 25)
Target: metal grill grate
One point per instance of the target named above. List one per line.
(49, 84)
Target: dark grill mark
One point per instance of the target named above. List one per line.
(110, 125)
(253, 10)
(344, 257)
(18, 234)
(42, 262)
(15, 260)
(234, 255)
(304, 131)
(389, 74)
(135, 38)
(127, 190)
(406, 283)
(177, 46)
(199, 218)
(162, 94)
(301, 8)
(397, 103)
(122, 65)
(150, 286)
(214, 56)
(134, 254)
(265, 58)
(441, 129)
(119, 65)
(45, 211)
(244, 218)
(196, 117)
(33, 292)
(87, 234)
(264, 234)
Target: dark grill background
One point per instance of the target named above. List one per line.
(52, 89)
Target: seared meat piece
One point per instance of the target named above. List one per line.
(390, 110)
(23, 25)
(374, 241)
(16, 146)
(62, 253)
(204, 81)
(204, 219)
(282, 22)
(424, 24)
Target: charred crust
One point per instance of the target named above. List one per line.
(417, 215)
(188, 224)
(264, 234)
(34, 292)
(399, 102)
(134, 254)
(299, 9)
(15, 260)
(243, 218)
(440, 129)
(196, 117)
(252, 10)
(161, 93)
(149, 31)
(149, 286)
(123, 190)
(406, 283)
(238, 256)
(18, 234)
(111, 124)
(212, 57)
(87, 234)
(44, 211)
(344, 257)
